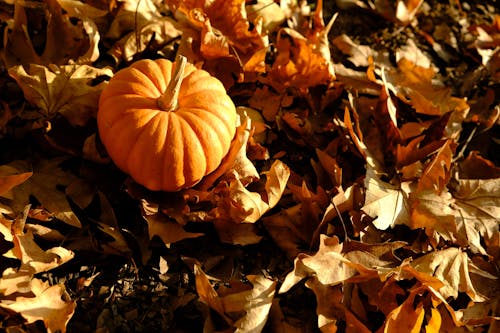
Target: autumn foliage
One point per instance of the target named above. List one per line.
(363, 170)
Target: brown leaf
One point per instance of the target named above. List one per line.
(252, 302)
(328, 265)
(44, 185)
(36, 260)
(477, 208)
(168, 231)
(297, 64)
(385, 202)
(477, 167)
(67, 89)
(437, 172)
(11, 177)
(80, 40)
(240, 205)
(453, 267)
(48, 304)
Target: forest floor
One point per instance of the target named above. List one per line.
(126, 259)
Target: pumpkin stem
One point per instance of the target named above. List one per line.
(168, 100)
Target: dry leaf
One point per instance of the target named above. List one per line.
(437, 172)
(387, 203)
(67, 37)
(168, 230)
(297, 63)
(240, 205)
(43, 185)
(453, 267)
(36, 260)
(68, 90)
(328, 265)
(11, 177)
(250, 303)
(48, 304)
(477, 210)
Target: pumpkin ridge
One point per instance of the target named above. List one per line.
(196, 112)
(191, 162)
(219, 117)
(140, 131)
(205, 142)
(137, 88)
(173, 168)
(136, 75)
(150, 69)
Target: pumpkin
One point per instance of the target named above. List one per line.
(166, 124)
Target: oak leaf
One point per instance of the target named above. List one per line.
(48, 304)
(169, 231)
(36, 260)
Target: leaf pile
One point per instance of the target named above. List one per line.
(361, 191)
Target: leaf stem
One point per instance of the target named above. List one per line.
(168, 100)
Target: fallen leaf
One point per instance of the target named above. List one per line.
(385, 202)
(68, 90)
(243, 206)
(453, 267)
(48, 304)
(297, 64)
(36, 260)
(477, 209)
(250, 303)
(328, 265)
(437, 172)
(11, 177)
(44, 186)
(79, 35)
(168, 231)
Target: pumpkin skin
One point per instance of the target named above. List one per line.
(166, 150)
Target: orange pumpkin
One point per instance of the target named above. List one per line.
(166, 124)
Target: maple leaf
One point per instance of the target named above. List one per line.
(434, 213)
(467, 216)
(328, 265)
(80, 39)
(385, 202)
(48, 304)
(414, 85)
(68, 90)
